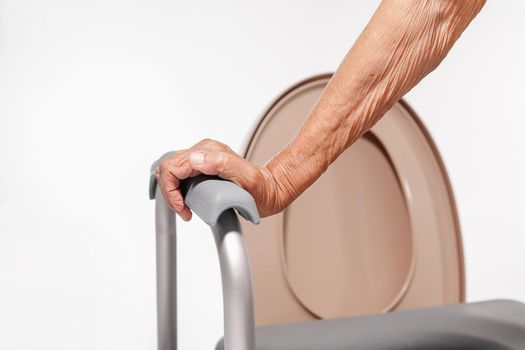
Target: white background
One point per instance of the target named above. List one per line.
(91, 92)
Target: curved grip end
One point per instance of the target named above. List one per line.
(209, 196)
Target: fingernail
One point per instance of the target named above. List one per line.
(197, 158)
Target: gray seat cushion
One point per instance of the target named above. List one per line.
(494, 325)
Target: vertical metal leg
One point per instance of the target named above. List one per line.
(166, 274)
(239, 323)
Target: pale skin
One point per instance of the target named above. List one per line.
(403, 42)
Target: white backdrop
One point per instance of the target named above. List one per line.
(92, 91)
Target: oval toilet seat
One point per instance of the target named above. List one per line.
(377, 232)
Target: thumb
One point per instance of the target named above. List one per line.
(229, 166)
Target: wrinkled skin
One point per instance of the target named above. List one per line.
(403, 42)
(214, 158)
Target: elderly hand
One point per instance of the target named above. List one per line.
(214, 158)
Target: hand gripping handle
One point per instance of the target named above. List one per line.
(213, 200)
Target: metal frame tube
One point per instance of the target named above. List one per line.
(239, 322)
(166, 237)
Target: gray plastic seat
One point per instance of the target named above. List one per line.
(494, 325)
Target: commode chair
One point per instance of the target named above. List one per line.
(368, 258)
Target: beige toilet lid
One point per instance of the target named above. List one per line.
(377, 232)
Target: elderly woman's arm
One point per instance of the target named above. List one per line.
(403, 42)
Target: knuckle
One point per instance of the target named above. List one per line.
(163, 165)
(223, 147)
(223, 161)
(177, 160)
(206, 142)
(215, 145)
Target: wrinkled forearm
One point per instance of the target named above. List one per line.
(403, 42)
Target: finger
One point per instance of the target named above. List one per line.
(170, 187)
(210, 145)
(227, 165)
(168, 183)
(180, 167)
(185, 214)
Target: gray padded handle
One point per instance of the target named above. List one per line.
(210, 196)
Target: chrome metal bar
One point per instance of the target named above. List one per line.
(166, 238)
(239, 323)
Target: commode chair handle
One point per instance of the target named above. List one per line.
(213, 200)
